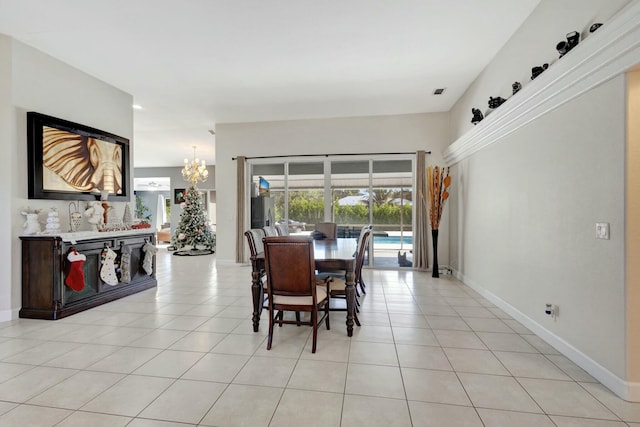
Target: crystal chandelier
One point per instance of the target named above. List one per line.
(194, 171)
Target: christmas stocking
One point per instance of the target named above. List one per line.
(75, 278)
(149, 252)
(108, 269)
(125, 264)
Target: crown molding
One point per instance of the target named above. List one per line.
(611, 50)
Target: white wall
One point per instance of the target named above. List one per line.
(40, 83)
(403, 133)
(526, 207)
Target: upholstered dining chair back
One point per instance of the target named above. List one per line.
(329, 229)
(291, 283)
(254, 238)
(270, 231)
(282, 229)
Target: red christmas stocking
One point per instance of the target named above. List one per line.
(75, 278)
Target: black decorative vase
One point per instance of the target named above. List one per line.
(434, 238)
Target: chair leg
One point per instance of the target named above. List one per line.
(362, 286)
(314, 319)
(280, 317)
(355, 319)
(298, 318)
(326, 314)
(270, 336)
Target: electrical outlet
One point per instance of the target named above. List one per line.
(602, 230)
(551, 310)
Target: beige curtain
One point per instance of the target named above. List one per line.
(421, 233)
(240, 208)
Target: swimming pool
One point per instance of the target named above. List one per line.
(390, 240)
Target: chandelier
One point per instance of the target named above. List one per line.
(194, 171)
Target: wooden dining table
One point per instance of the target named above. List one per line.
(329, 254)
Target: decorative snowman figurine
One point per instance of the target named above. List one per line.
(31, 225)
(53, 222)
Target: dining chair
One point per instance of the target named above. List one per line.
(338, 285)
(282, 229)
(292, 285)
(329, 229)
(270, 230)
(256, 249)
(360, 280)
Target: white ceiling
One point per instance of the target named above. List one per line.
(193, 63)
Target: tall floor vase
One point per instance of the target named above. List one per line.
(434, 238)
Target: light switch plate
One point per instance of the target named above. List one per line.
(602, 230)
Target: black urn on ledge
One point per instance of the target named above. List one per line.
(573, 38)
(496, 102)
(477, 116)
(516, 86)
(538, 69)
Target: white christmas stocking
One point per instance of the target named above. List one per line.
(149, 252)
(125, 264)
(108, 269)
(75, 278)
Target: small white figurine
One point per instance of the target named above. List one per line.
(53, 222)
(31, 225)
(95, 215)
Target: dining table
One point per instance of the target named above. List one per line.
(329, 254)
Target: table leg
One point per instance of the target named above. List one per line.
(258, 297)
(350, 291)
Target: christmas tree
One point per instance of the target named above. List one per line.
(194, 229)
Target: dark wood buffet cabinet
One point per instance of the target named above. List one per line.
(45, 267)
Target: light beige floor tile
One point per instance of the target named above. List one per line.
(266, 371)
(283, 344)
(129, 396)
(170, 364)
(434, 386)
(516, 326)
(145, 422)
(373, 353)
(475, 361)
(417, 336)
(10, 370)
(87, 333)
(483, 324)
(496, 418)
(320, 409)
(454, 323)
(125, 360)
(185, 323)
(77, 390)
(82, 356)
(33, 416)
(158, 338)
(497, 392)
(571, 369)
(121, 336)
(216, 367)
(231, 408)
(240, 344)
(184, 401)
(565, 398)
(474, 312)
(438, 309)
(152, 321)
(319, 375)
(91, 419)
(541, 345)
(531, 365)
(418, 356)
(375, 380)
(31, 383)
(198, 341)
(6, 407)
(586, 422)
(627, 411)
(506, 342)
(331, 350)
(366, 411)
(424, 414)
(219, 324)
(175, 308)
(459, 302)
(16, 345)
(407, 320)
(372, 333)
(458, 339)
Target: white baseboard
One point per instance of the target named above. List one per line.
(7, 315)
(629, 391)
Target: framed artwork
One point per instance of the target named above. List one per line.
(70, 161)
(178, 195)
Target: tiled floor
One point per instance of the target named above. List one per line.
(430, 352)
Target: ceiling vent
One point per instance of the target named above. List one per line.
(439, 91)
